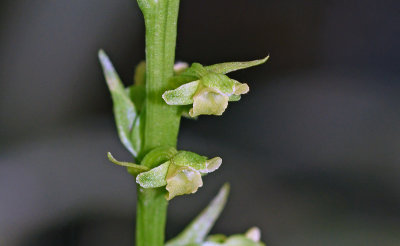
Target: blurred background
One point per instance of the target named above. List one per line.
(312, 152)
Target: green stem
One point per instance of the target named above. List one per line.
(161, 120)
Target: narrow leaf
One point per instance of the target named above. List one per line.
(134, 168)
(124, 110)
(198, 229)
(137, 134)
(228, 67)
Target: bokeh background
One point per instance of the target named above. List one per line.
(312, 152)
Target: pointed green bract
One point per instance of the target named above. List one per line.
(198, 229)
(228, 67)
(153, 178)
(133, 168)
(124, 109)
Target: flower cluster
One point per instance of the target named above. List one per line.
(207, 88)
(250, 238)
(180, 175)
(179, 171)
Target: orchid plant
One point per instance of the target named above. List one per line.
(147, 115)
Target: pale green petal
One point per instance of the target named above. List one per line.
(179, 67)
(208, 102)
(219, 83)
(124, 109)
(240, 88)
(155, 177)
(254, 234)
(183, 95)
(185, 112)
(182, 180)
(240, 240)
(189, 159)
(234, 98)
(212, 165)
(133, 168)
(228, 67)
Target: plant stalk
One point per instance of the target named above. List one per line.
(161, 120)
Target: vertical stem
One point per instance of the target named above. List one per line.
(150, 217)
(162, 120)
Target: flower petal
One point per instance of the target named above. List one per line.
(240, 88)
(183, 95)
(219, 82)
(208, 102)
(179, 67)
(155, 177)
(254, 234)
(212, 165)
(182, 180)
(234, 98)
(228, 67)
(189, 159)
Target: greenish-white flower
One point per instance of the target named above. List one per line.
(180, 175)
(207, 88)
(250, 238)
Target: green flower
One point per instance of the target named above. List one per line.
(180, 175)
(207, 88)
(250, 238)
